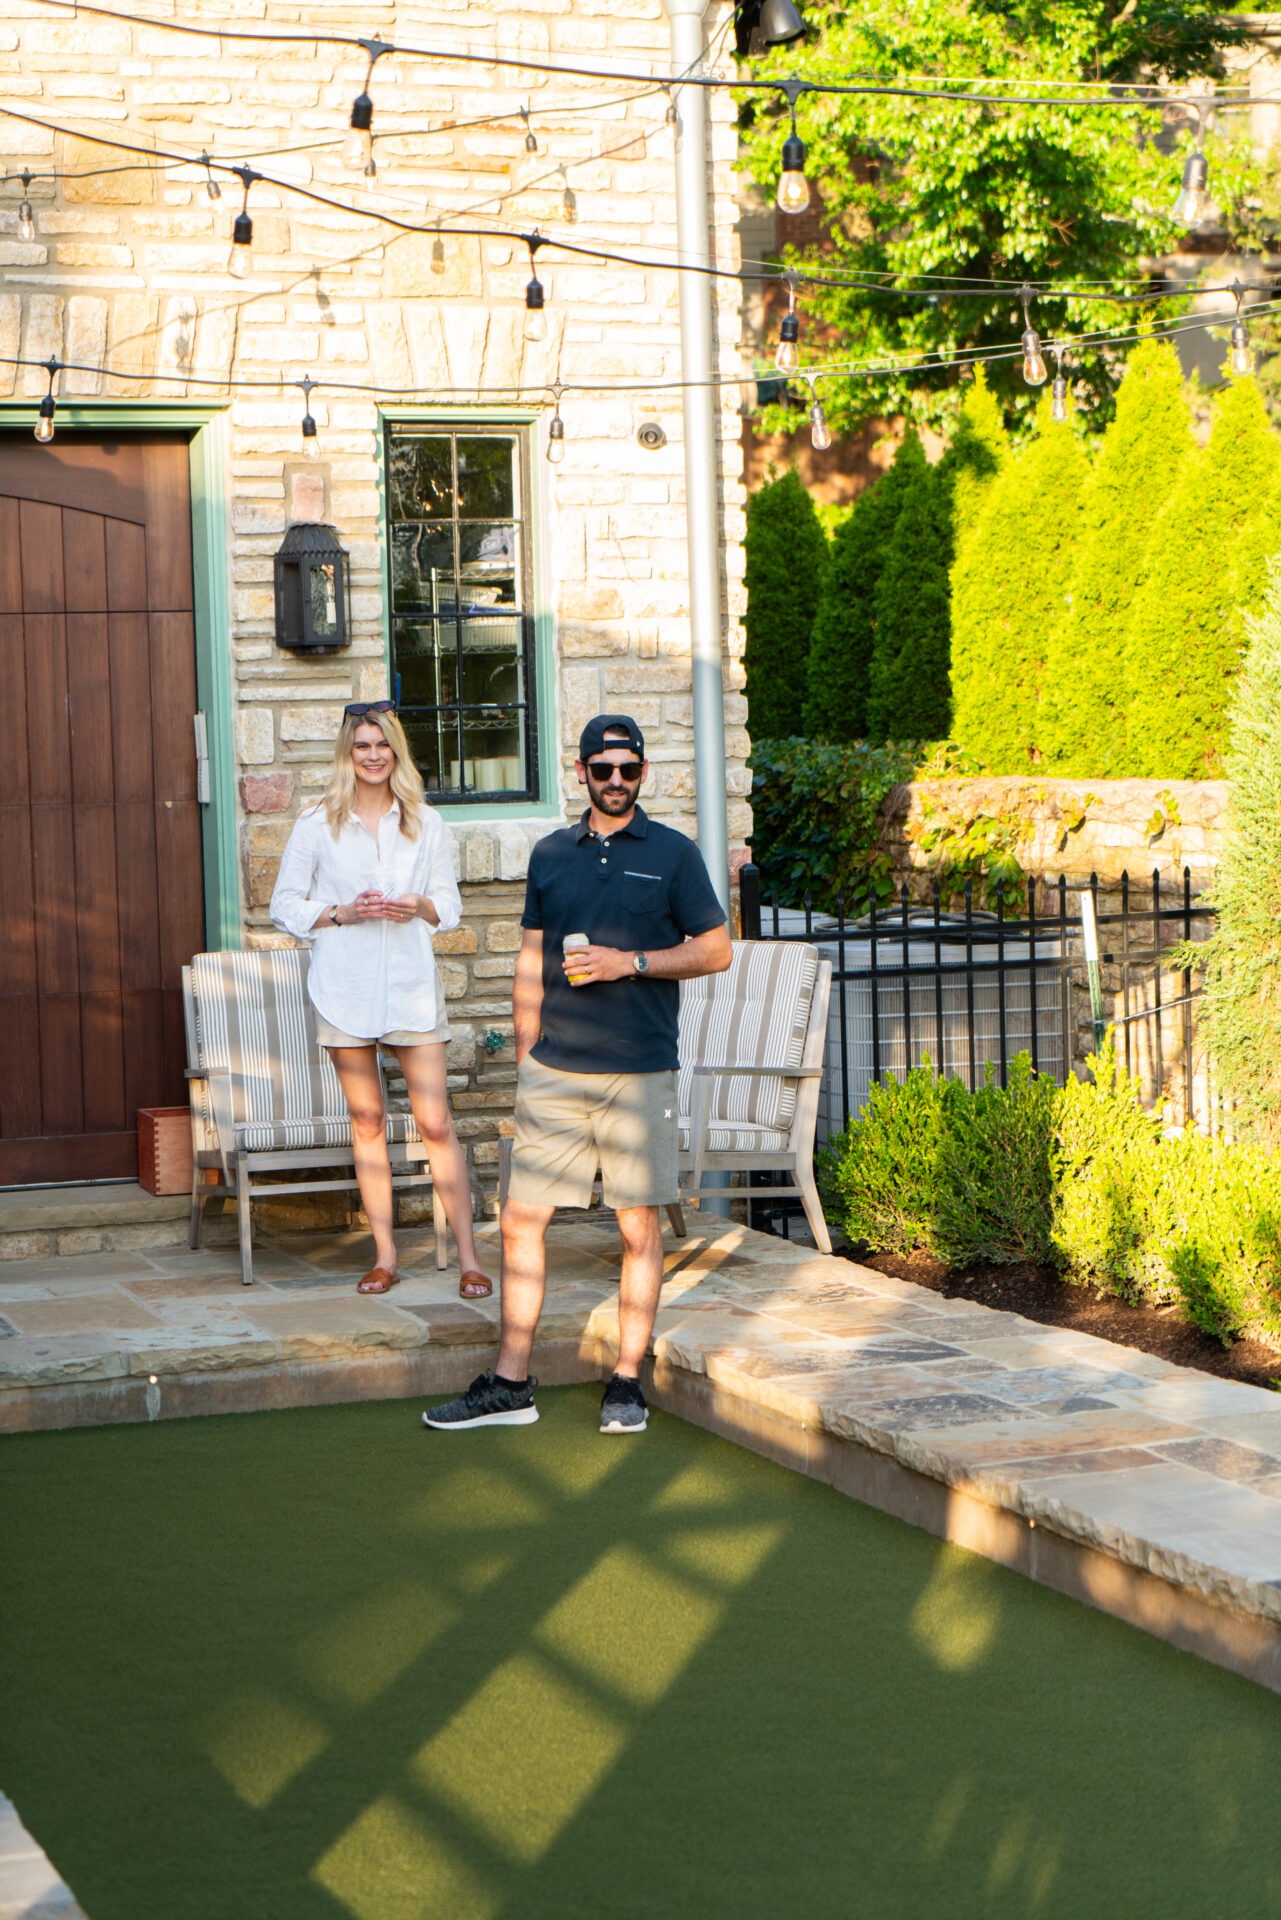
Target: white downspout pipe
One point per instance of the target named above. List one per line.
(702, 517)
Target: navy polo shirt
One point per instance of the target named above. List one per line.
(642, 888)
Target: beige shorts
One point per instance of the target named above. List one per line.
(330, 1036)
(570, 1124)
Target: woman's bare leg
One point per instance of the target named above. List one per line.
(424, 1071)
(361, 1083)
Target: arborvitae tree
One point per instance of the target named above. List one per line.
(845, 626)
(786, 560)
(1207, 568)
(977, 454)
(908, 693)
(1242, 1006)
(1009, 593)
(1083, 727)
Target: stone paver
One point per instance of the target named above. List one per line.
(1165, 1470)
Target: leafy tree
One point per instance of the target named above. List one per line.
(909, 696)
(988, 195)
(840, 655)
(1009, 590)
(1206, 568)
(1083, 726)
(786, 561)
(1243, 1007)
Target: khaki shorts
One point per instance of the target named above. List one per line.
(569, 1124)
(330, 1036)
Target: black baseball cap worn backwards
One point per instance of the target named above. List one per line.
(593, 735)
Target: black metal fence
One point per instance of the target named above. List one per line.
(970, 989)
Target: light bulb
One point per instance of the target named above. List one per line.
(820, 432)
(310, 439)
(1058, 398)
(1193, 202)
(240, 264)
(1241, 359)
(787, 359)
(44, 421)
(672, 116)
(556, 440)
(356, 147)
(26, 222)
(535, 318)
(531, 144)
(212, 188)
(793, 188)
(1034, 367)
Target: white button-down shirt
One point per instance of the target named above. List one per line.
(377, 976)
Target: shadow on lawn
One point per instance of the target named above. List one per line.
(321, 1665)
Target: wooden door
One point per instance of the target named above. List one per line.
(101, 894)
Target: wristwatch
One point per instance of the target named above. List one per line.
(333, 915)
(640, 961)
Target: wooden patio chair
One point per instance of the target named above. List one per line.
(751, 1048)
(264, 1095)
(751, 1051)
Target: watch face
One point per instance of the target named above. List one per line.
(641, 963)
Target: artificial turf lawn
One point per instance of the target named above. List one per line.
(323, 1663)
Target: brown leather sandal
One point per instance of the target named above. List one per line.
(378, 1280)
(474, 1285)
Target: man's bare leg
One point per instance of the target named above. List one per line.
(642, 1277)
(524, 1282)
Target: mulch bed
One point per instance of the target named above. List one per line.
(1040, 1294)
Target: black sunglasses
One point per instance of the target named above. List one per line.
(602, 769)
(357, 708)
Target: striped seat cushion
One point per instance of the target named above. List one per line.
(757, 1012)
(738, 1139)
(264, 1136)
(254, 1019)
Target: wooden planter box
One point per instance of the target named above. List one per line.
(164, 1149)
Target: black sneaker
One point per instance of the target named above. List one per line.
(487, 1403)
(622, 1407)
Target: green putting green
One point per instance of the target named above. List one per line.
(322, 1664)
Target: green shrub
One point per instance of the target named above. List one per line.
(909, 690)
(786, 557)
(1078, 1176)
(840, 655)
(1207, 562)
(815, 818)
(1083, 726)
(1009, 588)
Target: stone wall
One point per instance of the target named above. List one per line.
(128, 276)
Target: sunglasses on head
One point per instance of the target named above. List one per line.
(602, 769)
(358, 708)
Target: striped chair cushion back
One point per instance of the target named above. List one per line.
(254, 1017)
(758, 1013)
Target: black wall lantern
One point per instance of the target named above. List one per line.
(311, 591)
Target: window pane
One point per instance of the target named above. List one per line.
(486, 478)
(427, 662)
(422, 567)
(489, 565)
(324, 604)
(492, 661)
(493, 757)
(419, 484)
(433, 741)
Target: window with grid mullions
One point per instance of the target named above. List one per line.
(462, 628)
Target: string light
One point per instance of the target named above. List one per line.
(240, 262)
(820, 432)
(1193, 201)
(535, 318)
(793, 188)
(310, 439)
(211, 185)
(556, 431)
(1240, 357)
(672, 116)
(1058, 392)
(358, 147)
(787, 358)
(531, 141)
(26, 219)
(1034, 368)
(48, 406)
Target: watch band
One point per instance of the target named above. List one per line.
(333, 917)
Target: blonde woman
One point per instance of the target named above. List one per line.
(367, 876)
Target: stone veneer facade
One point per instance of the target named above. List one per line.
(128, 276)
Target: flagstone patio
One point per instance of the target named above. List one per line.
(1148, 1490)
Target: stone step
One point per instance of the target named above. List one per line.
(39, 1222)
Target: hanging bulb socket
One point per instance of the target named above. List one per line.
(357, 151)
(310, 438)
(1035, 371)
(787, 358)
(535, 316)
(556, 439)
(242, 232)
(531, 142)
(212, 188)
(44, 428)
(1240, 357)
(1059, 399)
(672, 116)
(1193, 201)
(26, 218)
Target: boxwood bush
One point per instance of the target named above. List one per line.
(1078, 1177)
